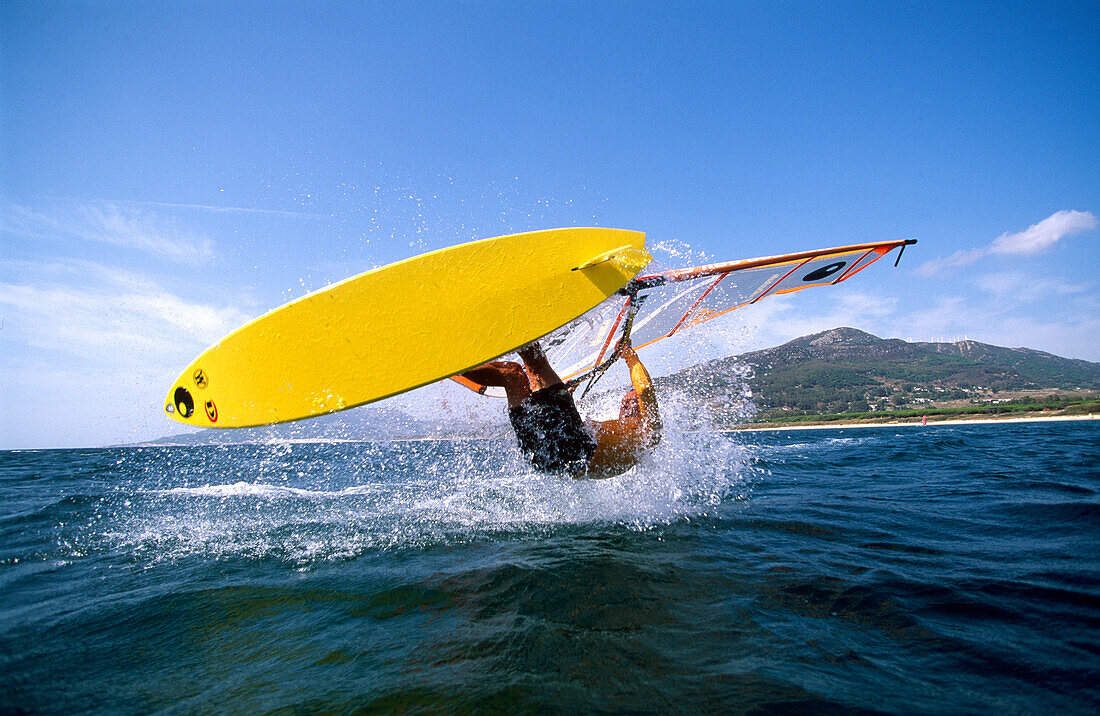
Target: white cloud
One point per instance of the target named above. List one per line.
(94, 348)
(1042, 236)
(1037, 238)
(109, 223)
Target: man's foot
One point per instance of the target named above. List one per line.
(531, 352)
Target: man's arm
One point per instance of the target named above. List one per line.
(621, 443)
(647, 395)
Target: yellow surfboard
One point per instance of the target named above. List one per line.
(402, 326)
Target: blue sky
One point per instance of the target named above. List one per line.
(170, 170)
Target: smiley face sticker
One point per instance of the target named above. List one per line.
(211, 411)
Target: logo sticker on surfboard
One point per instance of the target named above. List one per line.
(211, 411)
(825, 271)
(185, 404)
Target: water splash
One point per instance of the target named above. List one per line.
(310, 503)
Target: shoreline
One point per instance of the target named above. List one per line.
(461, 438)
(914, 423)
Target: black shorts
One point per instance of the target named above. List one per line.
(551, 433)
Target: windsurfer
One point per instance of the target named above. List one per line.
(551, 433)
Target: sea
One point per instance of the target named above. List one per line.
(943, 569)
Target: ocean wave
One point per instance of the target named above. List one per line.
(239, 489)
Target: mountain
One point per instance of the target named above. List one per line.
(848, 370)
(377, 421)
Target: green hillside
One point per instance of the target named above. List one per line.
(845, 370)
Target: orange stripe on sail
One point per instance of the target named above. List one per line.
(611, 333)
(848, 274)
(781, 280)
(695, 305)
(852, 268)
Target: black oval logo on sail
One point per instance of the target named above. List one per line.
(824, 271)
(185, 404)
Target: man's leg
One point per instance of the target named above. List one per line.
(540, 373)
(503, 374)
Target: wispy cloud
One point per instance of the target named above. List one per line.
(1035, 239)
(106, 314)
(212, 209)
(1021, 286)
(109, 223)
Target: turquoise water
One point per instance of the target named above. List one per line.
(950, 568)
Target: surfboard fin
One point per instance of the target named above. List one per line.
(630, 259)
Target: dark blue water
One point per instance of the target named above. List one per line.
(944, 569)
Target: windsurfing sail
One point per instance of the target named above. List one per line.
(653, 307)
